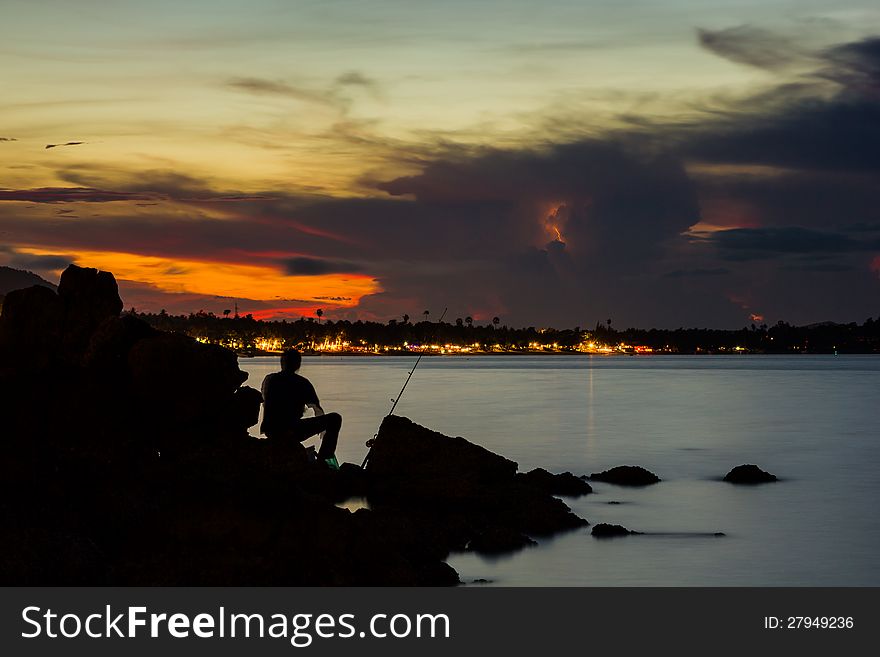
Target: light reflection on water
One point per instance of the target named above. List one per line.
(812, 420)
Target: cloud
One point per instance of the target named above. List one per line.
(620, 223)
(69, 143)
(44, 263)
(263, 87)
(698, 273)
(8, 139)
(752, 46)
(307, 266)
(756, 243)
(69, 195)
(355, 78)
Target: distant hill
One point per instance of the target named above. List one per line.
(16, 279)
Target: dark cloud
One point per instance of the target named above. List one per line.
(752, 46)
(69, 143)
(69, 195)
(328, 97)
(807, 129)
(757, 243)
(26, 261)
(306, 266)
(698, 273)
(8, 139)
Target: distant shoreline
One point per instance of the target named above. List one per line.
(337, 354)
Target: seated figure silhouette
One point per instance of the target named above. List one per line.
(286, 395)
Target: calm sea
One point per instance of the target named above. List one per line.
(812, 420)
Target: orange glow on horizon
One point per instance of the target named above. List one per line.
(227, 279)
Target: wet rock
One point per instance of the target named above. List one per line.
(626, 475)
(556, 484)
(749, 474)
(605, 530)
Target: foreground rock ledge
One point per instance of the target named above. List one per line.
(126, 461)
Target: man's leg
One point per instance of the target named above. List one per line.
(330, 423)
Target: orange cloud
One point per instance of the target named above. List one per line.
(226, 279)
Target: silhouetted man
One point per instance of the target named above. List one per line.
(286, 395)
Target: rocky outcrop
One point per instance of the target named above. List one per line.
(126, 461)
(30, 328)
(605, 530)
(749, 474)
(565, 484)
(89, 297)
(626, 475)
(475, 498)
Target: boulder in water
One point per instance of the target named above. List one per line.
(749, 474)
(626, 475)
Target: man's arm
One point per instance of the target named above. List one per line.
(317, 408)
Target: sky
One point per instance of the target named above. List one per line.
(685, 163)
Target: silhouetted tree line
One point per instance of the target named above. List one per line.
(782, 337)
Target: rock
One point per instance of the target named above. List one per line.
(498, 540)
(605, 530)
(417, 456)
(556, 484)
(30, 328)
(749, 474)
(177, 380)
(89, 297)
(626, 475)
(466, 492)
(111, 342)
(245, 409)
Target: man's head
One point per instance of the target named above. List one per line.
(290, 361)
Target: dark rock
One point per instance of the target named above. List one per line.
(556, 484)
(498, 540)
(605, 530)
(407, 453)
(177, 380)
(626, 475)
(111, 342)
(30, 328)
(465, 490)
(749, 474)
(89, 297)
(245, 409)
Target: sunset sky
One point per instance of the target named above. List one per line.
(685, 163)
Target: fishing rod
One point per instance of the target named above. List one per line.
(395, 401)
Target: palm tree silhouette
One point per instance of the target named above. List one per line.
(320, 314)
(495, 322)
(405, 318)
(469, 321)
(426, 313)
